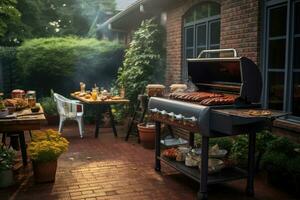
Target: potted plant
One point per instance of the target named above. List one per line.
(7, 156)
(147, 134)
(50, 110)
(44, 150)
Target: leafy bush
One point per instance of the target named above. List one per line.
(7, 156)
(47, 146)
(61, 63)
(142, 59)
(223, 143)
(263, 139)
(9, 75)
(239, 150)
(282, 163)
(278, 153)
(49, 105)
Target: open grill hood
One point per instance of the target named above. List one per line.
(233, 75)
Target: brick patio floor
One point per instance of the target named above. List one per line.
(110, 168)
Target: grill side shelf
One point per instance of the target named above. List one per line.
(225, 175)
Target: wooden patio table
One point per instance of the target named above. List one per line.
(25, 120)
(101, 106)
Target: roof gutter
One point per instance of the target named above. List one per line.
(121, 14)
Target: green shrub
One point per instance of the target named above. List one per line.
(263, 139)
(239, 150)
(142, 59)
(61, 63)
(283, 145)
(9, 75)
(275, 160)
(49, 105)
(282, 163)
(7, 156)
(278, 153)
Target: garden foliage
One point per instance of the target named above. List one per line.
(7, 156)
(61, 63)
(9, 15)
(9, 77)
(143, 60)
(282, 162)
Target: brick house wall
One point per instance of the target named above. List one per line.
(240, 22)
(239, 29)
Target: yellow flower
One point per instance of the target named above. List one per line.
(47, 145)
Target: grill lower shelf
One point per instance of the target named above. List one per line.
(228, 174)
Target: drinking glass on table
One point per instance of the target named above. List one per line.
(94, 94)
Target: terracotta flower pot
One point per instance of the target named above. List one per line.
(7, 178)
(147, 135)
(44, 171)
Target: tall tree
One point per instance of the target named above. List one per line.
(9, 15)
(44, 18)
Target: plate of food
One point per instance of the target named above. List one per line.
(17, 103)
(214, 165)
(170, 153)
(259, 112)
(216, 152)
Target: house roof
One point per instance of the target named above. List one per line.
(123, 4)
(135, 13)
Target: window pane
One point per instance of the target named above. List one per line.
(297, 18)
(201, 11)
(297, 53)
(277, 23)
(199, 50)
(215, 33)
(189, 37)
(214, 55)
(276, 90)
(214, 9)
(296, 94)
(189, 17)
(189, 53)
(201, 35)
(277, 54)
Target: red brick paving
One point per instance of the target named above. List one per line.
(109, 168)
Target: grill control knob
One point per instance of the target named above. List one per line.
(154, 110)
(163, 112)
(193, 119)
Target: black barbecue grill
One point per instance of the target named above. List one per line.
(227, 76)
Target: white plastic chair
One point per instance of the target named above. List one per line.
(68, 110)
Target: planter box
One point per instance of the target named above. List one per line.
(44, 172)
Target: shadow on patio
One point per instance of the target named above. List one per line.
(110, 168)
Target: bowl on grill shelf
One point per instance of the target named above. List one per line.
(214, 165)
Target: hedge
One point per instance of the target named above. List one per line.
(9, 77)
(61, 63)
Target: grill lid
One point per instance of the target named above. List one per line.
(233, 75)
